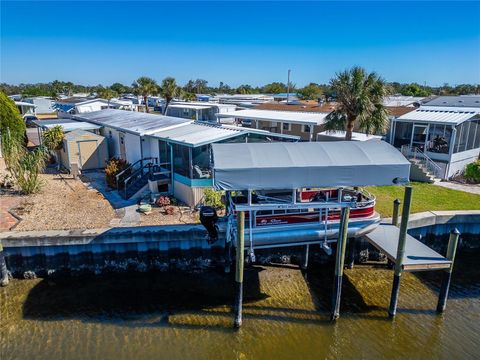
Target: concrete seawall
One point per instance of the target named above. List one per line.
(35, 253)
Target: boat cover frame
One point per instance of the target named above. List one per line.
(283, 165)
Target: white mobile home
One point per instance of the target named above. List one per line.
(126, 130)
(44, 104)
(172, 153)
(25, 108)
(199, 111)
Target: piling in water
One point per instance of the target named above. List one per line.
(447, 273)
(305, 257)
(351, 253)
(339, 262)
(239, 269)
(402, 240)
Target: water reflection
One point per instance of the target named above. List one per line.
(286, 316)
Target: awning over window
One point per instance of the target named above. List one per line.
(257, 166)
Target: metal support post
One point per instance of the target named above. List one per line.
(240, 260)
(447, 274)
(402, 240)
(339, 262)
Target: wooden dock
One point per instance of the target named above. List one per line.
(418, 256)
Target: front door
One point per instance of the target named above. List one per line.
(121, 140)
(419, 137)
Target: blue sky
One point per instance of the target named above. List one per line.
(238, 43)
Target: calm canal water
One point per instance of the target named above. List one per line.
(286, 316)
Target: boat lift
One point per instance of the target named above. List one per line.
(256, 167)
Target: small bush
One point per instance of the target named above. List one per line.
(213, 198)
(472, 172)
(114, 167)
(163, 201)
(169, 210)
(53, 138)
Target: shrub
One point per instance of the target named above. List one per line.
(53, 138)
(169, 210)
(163, 201)
(213, 198)
(114, 167)
(24, 165)
(472, 172)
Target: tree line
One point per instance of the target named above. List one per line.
(312, 91)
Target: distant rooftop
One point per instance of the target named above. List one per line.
(292, 117)
(66, 124)
(400, 100)
(305, 106)
(399, 110)
(456, 101)
(73, 100)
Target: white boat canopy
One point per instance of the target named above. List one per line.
(275, 166)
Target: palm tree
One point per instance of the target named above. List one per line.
(145, 86)
(360, 101)
(169, 90)
(107, 94)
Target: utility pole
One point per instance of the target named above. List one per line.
(288, 87)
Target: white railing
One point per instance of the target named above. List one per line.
(419, 157)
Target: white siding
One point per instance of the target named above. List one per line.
(91, 106)
(113, 142)
(460, 160)
(189, 195)
(132, 147)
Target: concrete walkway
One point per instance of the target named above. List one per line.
(469, 188)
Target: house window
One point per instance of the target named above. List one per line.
(306, 128)
(181, 160)
(287, 127)
(403, 134)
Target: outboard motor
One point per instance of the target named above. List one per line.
(208, 218)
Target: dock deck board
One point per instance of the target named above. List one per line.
(418, 256)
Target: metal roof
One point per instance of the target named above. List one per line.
(189, 106)
(262, 132)
(284, 165)
(75, 134)
(456, 101)
(66, 124)
(339, 134)
(440, 114)
(131, 121)
(204, 103)
(23, 103)
(400, 100)
(292, 117)
(197, 134)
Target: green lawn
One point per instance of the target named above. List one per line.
(426, 197)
